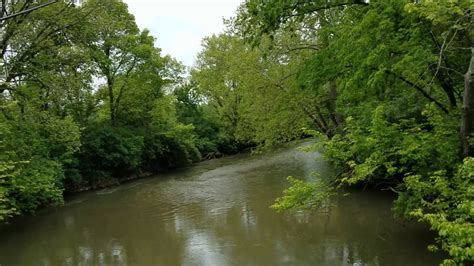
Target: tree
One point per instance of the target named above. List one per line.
(253, 92)
(117, 47)
(5, 15)
(453, 33)
(29, 34)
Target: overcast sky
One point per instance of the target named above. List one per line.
(180, 25)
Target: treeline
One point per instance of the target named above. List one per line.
(88, 100)
(388, 87)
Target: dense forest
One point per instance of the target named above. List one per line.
(387, 87)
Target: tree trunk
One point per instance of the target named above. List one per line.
(106, 70)
(314, 119)
(467, 127)
(332, 106)
(328, 130)
(110, 87)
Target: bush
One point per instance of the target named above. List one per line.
(447, 204)
(385, 152)
(173, 148)
(37, 184)
(33, 150)
(110, 151)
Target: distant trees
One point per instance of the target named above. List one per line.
(254, 91)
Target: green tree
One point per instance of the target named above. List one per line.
(252, 91)
(117, 47)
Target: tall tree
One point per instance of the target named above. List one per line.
(117, 47)
(24, 37)
(253, 92)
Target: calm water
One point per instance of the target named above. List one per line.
(216, 213)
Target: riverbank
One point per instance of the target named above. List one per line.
(115, 181)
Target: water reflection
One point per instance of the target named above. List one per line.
(216, 213)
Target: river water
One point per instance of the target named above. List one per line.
(217, 213)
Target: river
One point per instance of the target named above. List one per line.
(217, 213)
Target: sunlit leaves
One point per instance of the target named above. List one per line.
(304, 195)
(447, 203)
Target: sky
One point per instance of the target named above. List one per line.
(180, 25)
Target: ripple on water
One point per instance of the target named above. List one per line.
(106, 191)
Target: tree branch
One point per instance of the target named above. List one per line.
(27, 10)
(418, 88)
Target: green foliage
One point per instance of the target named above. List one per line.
(33, 152)
(37, 184)
(206, 127)
(385, 151)
(110, 151)
(7, 172)
(62, 137)
(238, 83)
(176, 140)
(447, 204)
(172, 148)
(304, 195)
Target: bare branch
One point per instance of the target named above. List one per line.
(27, 10)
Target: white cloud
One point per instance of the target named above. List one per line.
(180, 25)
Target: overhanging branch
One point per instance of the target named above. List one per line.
(27, 10)
(418, 88)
